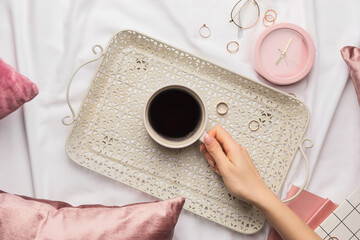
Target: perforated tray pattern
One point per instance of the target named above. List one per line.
(109, 136)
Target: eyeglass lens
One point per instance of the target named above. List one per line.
(245, 13)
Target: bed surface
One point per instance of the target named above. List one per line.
(47, 40)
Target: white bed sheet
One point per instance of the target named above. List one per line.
(48, 40)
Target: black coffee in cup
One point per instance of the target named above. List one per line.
(175, 113)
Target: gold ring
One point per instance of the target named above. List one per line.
(271, 11)
(206, 29)
(269, 20)
(232, 43)
(222, 108)
(268, 25)
(257, 125)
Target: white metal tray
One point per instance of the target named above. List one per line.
(108, 135)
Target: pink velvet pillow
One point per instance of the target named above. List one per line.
(29, 218)
(351, 56)
(15, 89)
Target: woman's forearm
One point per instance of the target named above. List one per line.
(232, 161)
(283, 219)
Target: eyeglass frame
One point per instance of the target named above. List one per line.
(232, 10)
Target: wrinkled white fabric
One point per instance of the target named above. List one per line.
(47, 40)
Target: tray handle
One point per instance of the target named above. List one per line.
(301, 148)
(68, 120)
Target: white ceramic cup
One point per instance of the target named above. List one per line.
(197, 134)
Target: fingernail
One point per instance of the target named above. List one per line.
(208, 140)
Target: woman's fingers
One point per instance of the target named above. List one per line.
(216, 152)
(210, 159)
(212, 163)
(223, 137)
(202, 147)
(217, 145)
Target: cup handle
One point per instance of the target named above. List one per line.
(201, 139)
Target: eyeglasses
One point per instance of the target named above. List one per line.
(244, 14)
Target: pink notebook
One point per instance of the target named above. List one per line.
(312, 209)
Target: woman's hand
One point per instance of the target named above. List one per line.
(232, 161)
